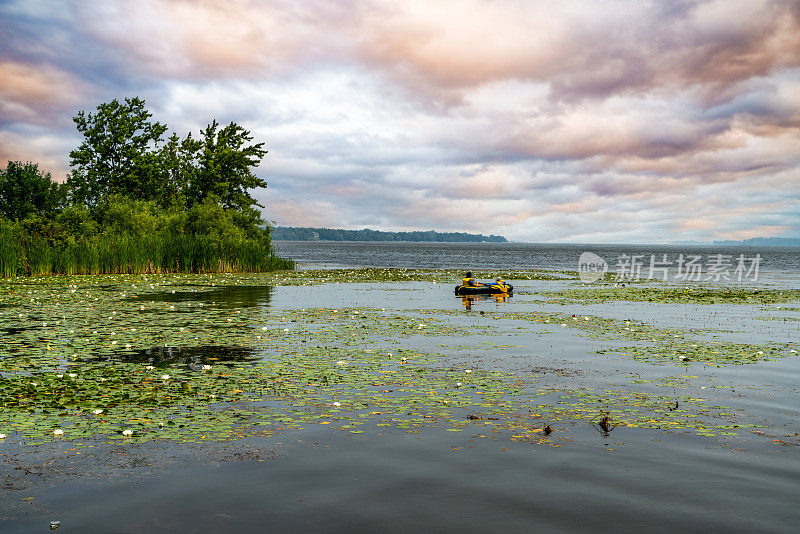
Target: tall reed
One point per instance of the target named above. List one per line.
(127, 254)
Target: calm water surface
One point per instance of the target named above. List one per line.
(776, 262)
(629, 481)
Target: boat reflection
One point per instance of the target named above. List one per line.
(498, 298)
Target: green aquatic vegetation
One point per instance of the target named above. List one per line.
(637, 409)
(662, 344)
(709, 353)
(673, 295)
(381, 275)
(67, 343)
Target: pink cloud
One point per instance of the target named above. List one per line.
(34, 93)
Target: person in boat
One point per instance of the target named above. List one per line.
(468, 281)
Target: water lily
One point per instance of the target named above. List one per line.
(337, 404)
(164, 377)
(468, 371)
(58, 432)
(458, 384)
(2, 436)
(127, 432)
(149, 367)
(206, 368)
(59, 376)
(97, 411)
(341, 362)
(72, 375)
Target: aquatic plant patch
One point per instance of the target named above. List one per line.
(683, 294)
(64, 372)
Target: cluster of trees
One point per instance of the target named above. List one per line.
(326, 234)
(136, 200)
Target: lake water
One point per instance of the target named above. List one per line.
(777, 265)
(628, 480)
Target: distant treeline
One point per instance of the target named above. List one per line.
(286, 233)
(764, 242)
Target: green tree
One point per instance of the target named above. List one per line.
(26, 191)
(224, 162)
(119, 155)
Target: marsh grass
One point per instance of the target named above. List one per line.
(127, 254)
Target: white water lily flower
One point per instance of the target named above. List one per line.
(127, 432)
(468, 371)
(206, 368)
(2, 436)
(113, 342)
(149, 367)
(102, 379)
(458, 384)
(263, 328)
(341, 362)
(285, 329)
(34, 384)
(97, 411)
(337, 404)
(164, 377)
(59, 376)
(72, 375)
(58, 432)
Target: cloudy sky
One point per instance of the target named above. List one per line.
(573, 121)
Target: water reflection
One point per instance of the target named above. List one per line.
(222, 297)
(468, 301)
(188, 356)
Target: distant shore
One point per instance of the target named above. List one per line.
(287, 233)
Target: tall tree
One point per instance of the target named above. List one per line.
(224, 167)
(119, 153)
(27, 191)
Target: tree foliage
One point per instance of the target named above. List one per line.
(26, 191)
(119, 153)
(123, 153)
(223, 169)
(137, 202)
